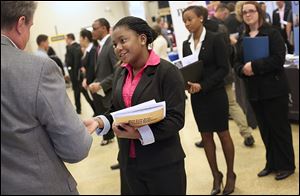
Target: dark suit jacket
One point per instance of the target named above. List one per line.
(269, 79)
(276, 17)
(104, 70)
(89, 64)
(215, 61)
(73, 60)
(157, 83)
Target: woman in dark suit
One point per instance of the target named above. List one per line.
(267, 90)
(208, 96)
(151, 157)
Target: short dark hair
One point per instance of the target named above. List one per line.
(198, 10)
(222, 7)
(51, 51)
(71, 36)
(11, 11)
(139, 26)
(84, 33)
(103, 22)
(41, 38)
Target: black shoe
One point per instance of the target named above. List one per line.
(78, 111)
(230, 188)
(105, 142)
(249, 141)
(218, 182)
(115, 166)
(264, 172)
(284, 174)
(199, 144)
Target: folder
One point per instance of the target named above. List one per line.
(192, 72)
(255, 48)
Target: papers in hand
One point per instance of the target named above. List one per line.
(142, 114)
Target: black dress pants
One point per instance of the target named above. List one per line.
(275, 130)
(165, 180)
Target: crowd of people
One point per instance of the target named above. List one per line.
(119, 67)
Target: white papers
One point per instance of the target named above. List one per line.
(143, 114)
(186, 61)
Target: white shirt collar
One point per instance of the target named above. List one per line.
(10, 41)
(192, 44)
(102, 41)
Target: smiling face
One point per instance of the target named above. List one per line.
(128, 44)
(191, 21)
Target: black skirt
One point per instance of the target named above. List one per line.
(211, 110)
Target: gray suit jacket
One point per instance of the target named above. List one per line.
(104, 70)
(39, 126)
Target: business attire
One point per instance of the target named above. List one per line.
(88, 62)
(39, 127)
(73, 62)
(154, 165)
(210, 105)
(268, 91)
(279, 21)
(104, 70)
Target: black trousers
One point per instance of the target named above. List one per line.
(166, 180)
(275, 130)
(88, 99)
(101, 109)
(76, 84)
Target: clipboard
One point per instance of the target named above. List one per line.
(192, 72)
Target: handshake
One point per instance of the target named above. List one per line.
(120, 130)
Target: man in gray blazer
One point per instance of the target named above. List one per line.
(39, 126)
(104, 70)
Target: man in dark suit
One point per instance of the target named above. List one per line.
(104, 69)
(280, 18)
(73, 62)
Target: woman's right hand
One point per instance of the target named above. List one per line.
(194, 87)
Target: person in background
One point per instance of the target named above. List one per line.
(164, 31)
(106, 60)
(52, 54)
(267, 89)
(43, 45)
(279, 21)
(87, 64)
(264, 9)
(39, 128)
(73, 62)
(208, 96)
(160, 45)
(151, 157)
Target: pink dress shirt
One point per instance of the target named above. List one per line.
(130, 85)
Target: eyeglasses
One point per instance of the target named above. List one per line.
(245, 12)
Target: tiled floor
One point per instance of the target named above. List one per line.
(94, 175)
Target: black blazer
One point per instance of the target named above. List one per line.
(89, 64)
(214, 55)
(163, 82)
(276, 16)
(269, 79)
(73, 60)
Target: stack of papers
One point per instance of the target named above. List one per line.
(142, 114)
